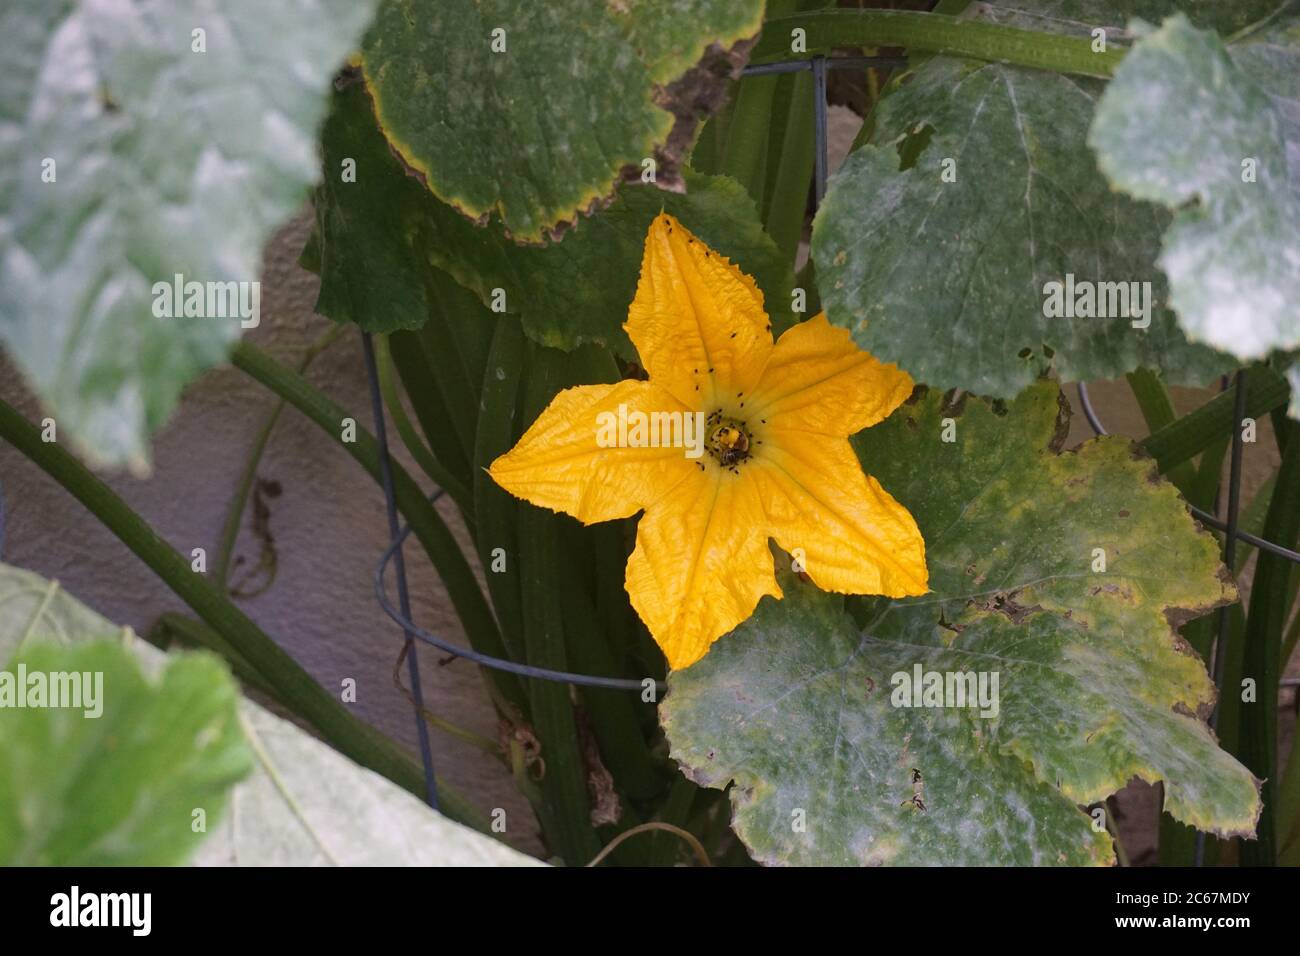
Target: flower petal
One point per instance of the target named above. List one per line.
(818, 380)
(701, 563)
(852, 535)
(560, 464)
(694, 311)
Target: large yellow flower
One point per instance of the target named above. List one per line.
(775, 460)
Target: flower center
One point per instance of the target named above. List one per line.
(730, 441)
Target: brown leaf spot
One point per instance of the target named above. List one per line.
(1006, 605)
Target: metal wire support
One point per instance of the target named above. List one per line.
(412, 656)
(829, 62)
(819, 65)
(485, 660)
(822, 158)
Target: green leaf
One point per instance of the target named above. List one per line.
(113, 781)
(949, 278)
(377, 238)
(574, 96)
(174, 744)
(166, 161)
(122, 788)
(1095, 687)
(1185, 126)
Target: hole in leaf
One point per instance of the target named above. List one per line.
(912, 145)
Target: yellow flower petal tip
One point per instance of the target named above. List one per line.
(735, 440)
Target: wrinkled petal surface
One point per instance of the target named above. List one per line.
(695, 311)
(701, 563)
(559, 463)
(818, 380)
(853, 536)
(777, 463)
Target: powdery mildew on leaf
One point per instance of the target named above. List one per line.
(167, 161)
(533, 111)
(308, 805)
(938, 238)
(1185, 126)
(377, 238)
(1095, 686)
(303, 804)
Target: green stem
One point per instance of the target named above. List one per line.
(790, 165)
(1288, 809)
(320, 708)
(427, 525)
(1293, 635)
(933, 33)
(744, 158)
(420, 452)
(1193, 433)
(1204, 492)
(542, 574)
(191, 633)
(419, 382)
(1269, 608)
(1251, 520)
(1158, 410)
(614, 718)
(496, 511)
(676, 811)
(443, 357)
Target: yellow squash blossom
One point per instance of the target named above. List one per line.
(774, 460)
